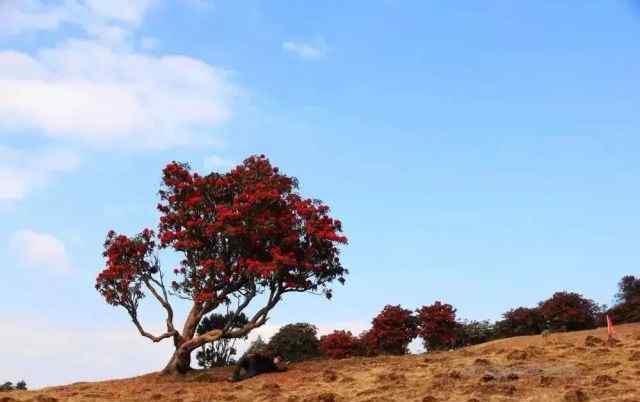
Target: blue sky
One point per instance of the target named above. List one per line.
(485, 155)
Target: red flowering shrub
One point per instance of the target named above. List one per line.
(566, 311)
(437, 326)
(368, 343)
(340, 344)
(392, 330)
(521, 321)
(242, 234)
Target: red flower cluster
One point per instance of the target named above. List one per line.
(340, 344)
(392, 330)
(127, 265)
(437, 326)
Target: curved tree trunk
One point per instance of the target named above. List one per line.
(180, 362)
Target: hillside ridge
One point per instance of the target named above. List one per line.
(576, 366)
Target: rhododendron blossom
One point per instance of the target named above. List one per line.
(340, 344)
(391, 331)
(242, 234)
(437, 326)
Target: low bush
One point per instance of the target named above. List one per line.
(437, 326)
(391, 331)
(520, 321)
(340, 344)
(257, 346)
(627, 307)
(567, 311)
(296, 342)
(474, 332)
(8, 386)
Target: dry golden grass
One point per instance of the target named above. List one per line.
(576, 366)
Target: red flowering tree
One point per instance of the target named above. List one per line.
(391, 331)
(568, 311)
(245, 235)
(437, 326)
(340, 344)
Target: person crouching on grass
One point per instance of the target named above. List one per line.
(257, 363)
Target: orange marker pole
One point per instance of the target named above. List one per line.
(610, 329)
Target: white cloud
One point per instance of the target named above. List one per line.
(217, 163)
(21, 171)
(95, 94)
(20, 16)
(97, 89)
(315, 50)
(40, 250)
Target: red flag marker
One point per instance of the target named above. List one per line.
(610, 329)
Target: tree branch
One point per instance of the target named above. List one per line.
(146, 334)
(241, 307)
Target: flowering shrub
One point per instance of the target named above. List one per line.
(437, 326)
(340, 344)
(241, 234)
(392, 330)
(368, 343)
(566, 311)
(296, 342)
(521, 321)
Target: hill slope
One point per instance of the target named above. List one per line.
(576, 366)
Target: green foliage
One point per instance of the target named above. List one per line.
(8, 386)
(296, 342)
(219, 353)
(627, 308)
(474, 332)
(257, 346)
(520, 321)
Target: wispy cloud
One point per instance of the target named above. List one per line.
(21, 16)
(314, 50)
(114, 95)
(23, 171)
(40, 251)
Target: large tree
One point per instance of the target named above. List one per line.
(245, 236)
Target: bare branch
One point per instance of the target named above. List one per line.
(241, 307)
(146, 334)
(260, 317)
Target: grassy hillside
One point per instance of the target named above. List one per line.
(576, 366)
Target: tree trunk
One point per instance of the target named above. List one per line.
(180, 362)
